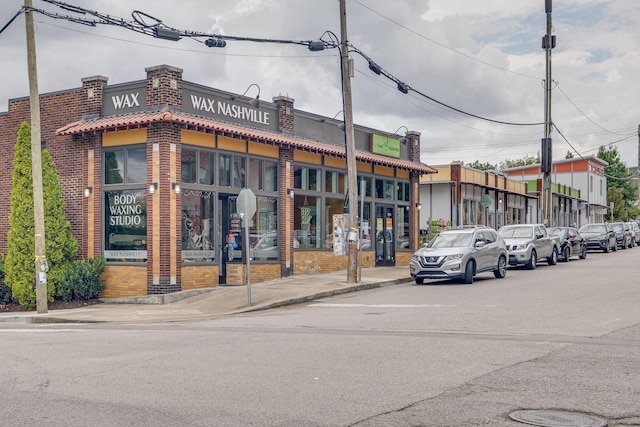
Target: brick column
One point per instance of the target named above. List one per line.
(164, 231)
(414, 230)
(285, 167)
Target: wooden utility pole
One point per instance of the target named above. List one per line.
(41, 265)
(548, 43)
(352, 172)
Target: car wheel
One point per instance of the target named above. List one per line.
(419, 281)
(533, 261)
(583, 253)
(501, 271)
(553, 259)
(566, 254)
(468, 273)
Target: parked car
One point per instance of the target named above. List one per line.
(266, 247)
(599, 236)
(527, 243)
(571, 242)
(635, 232)
(460, 254)
(623, 235)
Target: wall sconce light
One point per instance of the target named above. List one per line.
(88, 191)
(153, 187)
(418, 206)
(255, 102)
(290, 193)
(175, 187)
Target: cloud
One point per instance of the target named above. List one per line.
(484, 58)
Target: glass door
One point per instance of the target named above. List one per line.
(230, 242)
(385, 232)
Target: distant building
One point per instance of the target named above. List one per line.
(585, 174)
(459, 195)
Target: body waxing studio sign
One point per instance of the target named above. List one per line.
(126, 210)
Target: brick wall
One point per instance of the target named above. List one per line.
(199, 276)
(124, 281)
(69, 154)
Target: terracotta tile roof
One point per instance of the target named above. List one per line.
(144, 118)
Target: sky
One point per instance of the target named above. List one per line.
(472, 64)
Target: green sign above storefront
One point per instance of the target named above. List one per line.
(387, 146)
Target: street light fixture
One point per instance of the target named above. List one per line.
(255, 102)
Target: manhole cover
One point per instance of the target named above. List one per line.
(550, 418)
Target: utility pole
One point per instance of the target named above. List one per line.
(41, 266)
(352, 172)
(548, 43)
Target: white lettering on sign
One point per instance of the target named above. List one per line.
(230, 110)
(127, 100)
(125, 210)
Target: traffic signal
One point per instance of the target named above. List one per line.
(215, 42)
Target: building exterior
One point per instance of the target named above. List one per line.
(152, 169)
(585, 174)
(459, 195)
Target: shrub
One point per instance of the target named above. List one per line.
(80, 279)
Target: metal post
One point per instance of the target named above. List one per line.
(363, 188)
(352, 173)
(546, 151)
(41, 266)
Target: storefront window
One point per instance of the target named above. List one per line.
(306, 232)
(262, 175)
(125, 208)
(125, 225)
(402, 227)
(332, 207)
(264, 232)
(224, 170)
(384, 189)
(197, 220)
(335, 182)
(306, 178)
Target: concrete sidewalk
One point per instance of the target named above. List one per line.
(218, 301)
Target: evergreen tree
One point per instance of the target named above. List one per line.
(61, 247)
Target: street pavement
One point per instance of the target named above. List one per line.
(218, 301)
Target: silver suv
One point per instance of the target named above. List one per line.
(460, 254)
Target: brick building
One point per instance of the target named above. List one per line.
(151, 171)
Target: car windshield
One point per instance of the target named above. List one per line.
(617, 227)
(451, 240)
(593, 228)
(557, 232)
(516, 232)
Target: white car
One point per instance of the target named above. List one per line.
(460, 254)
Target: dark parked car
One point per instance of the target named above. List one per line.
(635, 232)
(623, 234)
(599, 236)
(571, 242)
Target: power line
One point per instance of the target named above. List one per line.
(442, 45)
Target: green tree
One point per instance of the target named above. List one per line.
(61, 247)
(619, 177)
(569, 155)
(486, 166)
(525, 161)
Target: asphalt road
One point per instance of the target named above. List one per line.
(564, 337)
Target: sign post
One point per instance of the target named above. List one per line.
(246, 206)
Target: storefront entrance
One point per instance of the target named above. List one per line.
(230, 238)
(385, 232)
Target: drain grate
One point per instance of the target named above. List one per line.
(552, 418)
